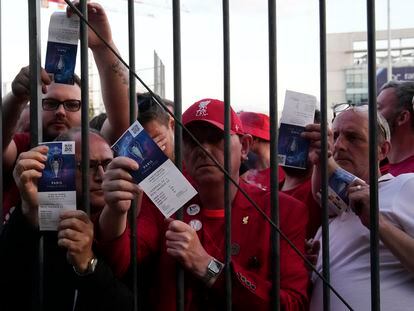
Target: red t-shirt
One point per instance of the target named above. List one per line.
(251, 259)
(405, 166)
(11, 194)
(303, 193)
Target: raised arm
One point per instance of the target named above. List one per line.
(112, 73)
(13, 105)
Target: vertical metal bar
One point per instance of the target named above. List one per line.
(176, 10)
(373, 156)
(34, 63)
(389, 57)
(85, 107)
(1, 135)
(132, 112)
(35, 123)
(274, 176)
(227, 203)
(324, 154)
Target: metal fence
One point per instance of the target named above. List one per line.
(36, 136)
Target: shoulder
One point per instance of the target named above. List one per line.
(22, 141)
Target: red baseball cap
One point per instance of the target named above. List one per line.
(212, 111)
(256, 124)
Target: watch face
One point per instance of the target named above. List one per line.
(214, 266)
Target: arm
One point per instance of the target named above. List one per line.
(399, 241)
(13, 105)
(113, 74)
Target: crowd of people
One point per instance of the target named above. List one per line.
(87, 263)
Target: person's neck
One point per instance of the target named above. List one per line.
(263, 159)
(402, 145)
(292, 182)
(212, 196)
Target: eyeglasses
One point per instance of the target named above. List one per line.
(338, 108)
(95, 164)
(50, 104)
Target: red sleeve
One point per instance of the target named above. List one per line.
(149, 236)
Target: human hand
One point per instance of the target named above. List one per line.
(313, 133)
(75, 233)
(118, 185)
(21, 83)
(184, 246)
(99, 21)
(312, 248)
(28, 169)
(358, 194)
(160, 140)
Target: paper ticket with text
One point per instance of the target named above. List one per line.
(57, 186)
(62, 46)
(298, 111)
(157, 175)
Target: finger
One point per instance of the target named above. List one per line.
(120, 185)
(70, 234)
(124, 163)
(45, 77)
(78, 214)
(77, 225)
(177, 245)
(177, 236)
(115, 196)
(38, 153)
(29, 176)
(179, 226)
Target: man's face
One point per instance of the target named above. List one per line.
(159, 131)
(59, 121)
(198, 165)
(351, 147)
(387, 103)
(100, 154)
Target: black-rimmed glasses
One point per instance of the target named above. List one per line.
(50, 104)
(95, 164)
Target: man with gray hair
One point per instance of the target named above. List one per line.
(349, 230)
(395, 103)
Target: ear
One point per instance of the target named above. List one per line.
(246, 141)
(171, 123)
(403, 117)
(384, 149)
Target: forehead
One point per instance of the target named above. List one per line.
(154, 127)
(351, 120)
(387, 97)
(98, 147)
(63, 91)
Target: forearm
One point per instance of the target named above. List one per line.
(12, 109)
(114, 85)
(398, 242)
(112, 224)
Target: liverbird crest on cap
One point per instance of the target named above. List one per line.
(202, 108)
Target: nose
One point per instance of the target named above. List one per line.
(60, 110)
(98, 173)
(340, 143)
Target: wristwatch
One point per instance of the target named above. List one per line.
(213, 269)
(89, 269)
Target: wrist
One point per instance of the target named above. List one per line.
(87, 267)
(212, 271)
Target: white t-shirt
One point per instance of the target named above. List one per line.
(350, 254)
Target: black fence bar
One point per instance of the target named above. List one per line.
(373, 156)
(324, 155)
(178, 132)
(85, 107)
(1, 136)
(132, 118)
(35, 124)
(274, 169)
(227, 202)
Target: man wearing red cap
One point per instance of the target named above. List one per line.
(197, 242)
(258, 125)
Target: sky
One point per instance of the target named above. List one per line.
(201, 42)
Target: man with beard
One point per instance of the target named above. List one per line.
(61, 103)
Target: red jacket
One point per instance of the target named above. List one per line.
(251, 260)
